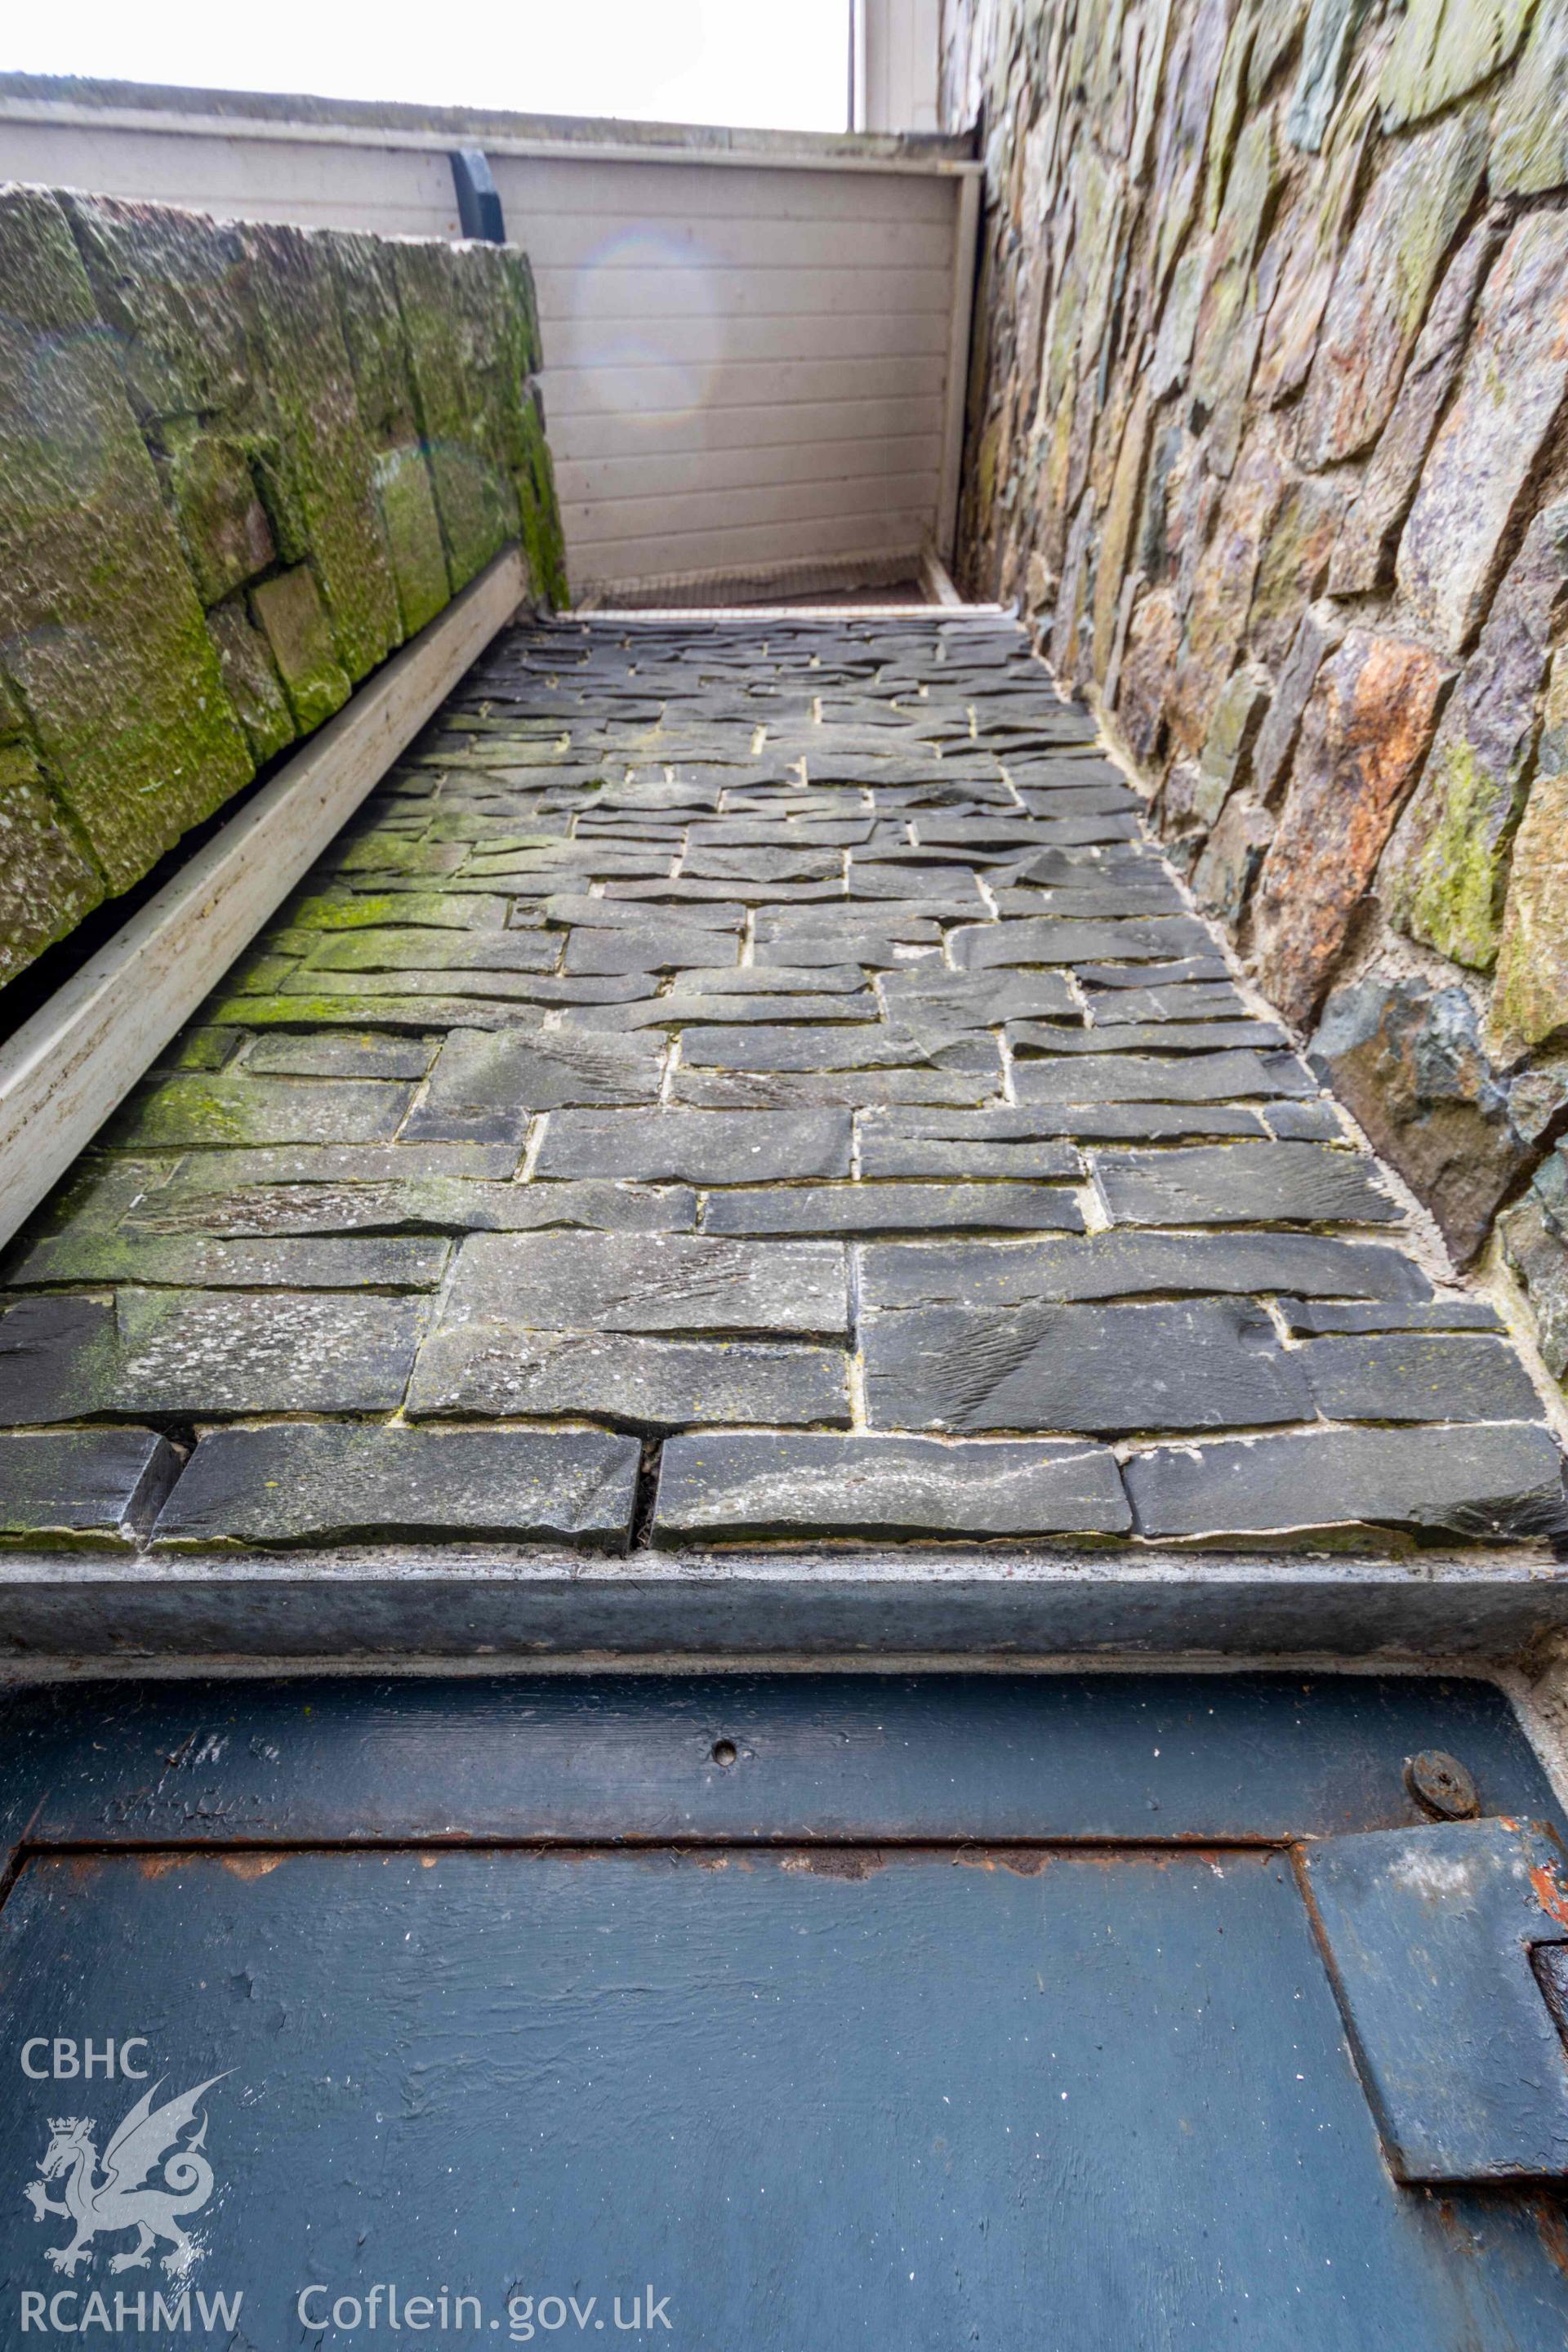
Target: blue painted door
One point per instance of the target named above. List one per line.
(735, 2014)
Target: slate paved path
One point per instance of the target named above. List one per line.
(735, 1081)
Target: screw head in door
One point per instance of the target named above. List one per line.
(1441, 1786)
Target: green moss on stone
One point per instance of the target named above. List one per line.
(473, 496)
(323, 445)
(253, 682)
(366, 283)
(1530, 145)
(222, 521)
(1445, 47)
(294, 620)
(104, 635)
(543, 540)
(47, 882)
(186, 405)
(1451, 897)
(413, 530)
(1530, 1001)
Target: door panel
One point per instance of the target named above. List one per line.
(325, 1759)
(893, 2095)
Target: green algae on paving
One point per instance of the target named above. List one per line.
(191, 1111)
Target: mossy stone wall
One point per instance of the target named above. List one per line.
(239, 464)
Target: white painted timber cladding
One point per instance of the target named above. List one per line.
(747, 364)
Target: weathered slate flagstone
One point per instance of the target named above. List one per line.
(1487, 1483)
(1111, 1369)
(1418, 1376)
(1242, 1184)
(1146, 1078)
(324, 1482)
(650, 1282)
(1122, 1265)
(197, 1111)
(739, 1482)
(495, 1369)
(187, 1259)
(199, 1354)
(631, 1136)
(912, 1144)
(699, 1147)
(77, 1486)
(894, 1208)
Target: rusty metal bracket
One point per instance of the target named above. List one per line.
(1447, 1946)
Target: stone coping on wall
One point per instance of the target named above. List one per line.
(239, 464)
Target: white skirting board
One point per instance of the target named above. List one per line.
(75, 1061)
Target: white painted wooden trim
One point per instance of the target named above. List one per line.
(75, 1061)
(736, 587)
(938, 581)
(966, 234)
(744, 615)
(236, 127)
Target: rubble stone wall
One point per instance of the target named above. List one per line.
(1269, 433)
(238, 466)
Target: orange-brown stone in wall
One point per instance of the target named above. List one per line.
(1364, 735)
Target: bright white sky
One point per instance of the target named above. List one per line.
(753, 63)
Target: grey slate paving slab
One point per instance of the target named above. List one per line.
(890, 1150)
(194, 1111)
(1307, 1316)
(1046, 940)
(1418, 1376)
(444, 1205)
(927, 995)
(485, 1087)
(1243, 1184)
(73, 1486)
(754, 1483)
(340, 1057)
(1305, 1122)
(698, 1147)
(410, 948)
(680, 1008)
(651, 1282)
(195, 1260)
(203, 1354)
(1138, 1078)
(543, 989)
(861, 1046)
(1189, 1364)
(1487, 1483)
(1028, 1038)
(629, 1382)
(626, 1077)
(873, 1208)
(875, 950)
(1122, 1265)
(328, 1482)
(774, 1089)
(600, 949)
